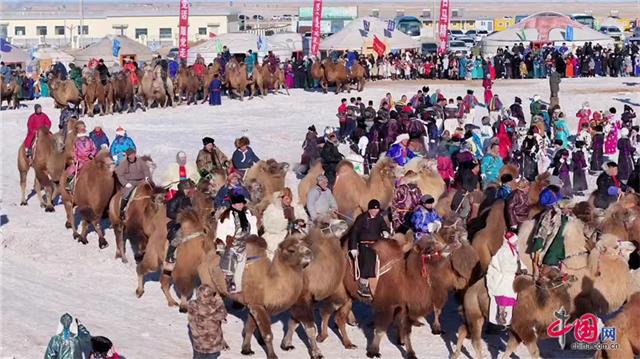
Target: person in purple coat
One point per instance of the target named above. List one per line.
(625, 155)
(579, 164)
(597, 157)
(562, 169)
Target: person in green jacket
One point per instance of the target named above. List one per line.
(69, 345)
(75, 73)
(536, 106)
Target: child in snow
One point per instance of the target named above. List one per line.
(500, 276)
(579, 165)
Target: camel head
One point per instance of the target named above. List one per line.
(293, 252)
(429, 247)
(453, 232)
(333, 227)
(611, 245)
(105, 161)
(149, 162)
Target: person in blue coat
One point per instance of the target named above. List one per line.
(425, 219)
(243, 157)
(174, 66)
(492, 163)
(99, 137)
(6, 72)
(215, 88)
(120, 145)
(60, 70)
(233, 187)
(399, 151)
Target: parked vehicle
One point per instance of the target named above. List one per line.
(458, 46)
(455, 33)
(429, 48)
(612, 31)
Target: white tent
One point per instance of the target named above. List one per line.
(284, 44)
(10, 54)
(103, 49)
(354, 37)
(236, 42)
(52, 53)
(545, 27)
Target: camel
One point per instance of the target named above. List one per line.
(357, 75)
(189, 84)
(268, 287)
(208, 77)
(94, 91)
(122, 92)
(317, 73)
(323, 281)
(266, 80)
(532, 314)
(152, 89)
(425, 176)
(94, 186)
(627, 331)
(310, 180)
(64, 92)
(263, 179)
(621, 220)
(236, 79)
(328, 72)
(417, 283)
(353, 192)
(489, 239)
(8, 92)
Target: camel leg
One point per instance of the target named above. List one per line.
(405, 335)
(462, 335)
(37, 187)
(292, 326)
(303, 312)
(183, 303)
(249, 328)
(476, 336)
(341, 318)
(165, 284)
(71, 223)
(117, 230)
(326, 309)
(373, 351)
(533, 349)
(83, 234)
(437, 328)
(23, 188)
(263, 320)
(102, 242)
(512, 345)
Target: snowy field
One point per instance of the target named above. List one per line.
(46, 273)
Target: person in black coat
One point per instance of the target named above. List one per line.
(609, 186)
(299, 73)
(579, 165)
(516, 111)
(330, 158)
(597, 157)
(181, 200)
(368, 228)
(310, 150)
(103, 71)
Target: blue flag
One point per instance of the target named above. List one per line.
(366, 25)
(5, 46)
(569, 33)
(115, 47)
(262, 44)
(391, 25)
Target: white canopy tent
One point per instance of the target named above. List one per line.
(103, 49)
(12, 55)
(354, 37)
(52, 54)
(545, 27)
(284, 44)
(236, 42)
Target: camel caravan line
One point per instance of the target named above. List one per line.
(311, 267)
(119, 93)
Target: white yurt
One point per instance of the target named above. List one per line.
(12, 55)
(46, 55)
(545, 28)
(103, 49)
(236, 42)
(284, 44)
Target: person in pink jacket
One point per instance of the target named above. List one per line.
(37, 120)
(83, 151)
(584, 116)
(445, 165)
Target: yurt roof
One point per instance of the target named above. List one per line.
(12, 54)
(236, 42)
(353, 36)
(53, 53)
(103, 50)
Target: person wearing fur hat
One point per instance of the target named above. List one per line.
(120, 145)
(320, 201)
(280, 218)
(330, 157)
(424, 219)
(243, 157)
(625, 155)
(562, 168)
(180, 170)
(179, 201)
(83, 151)
(628, 115)
(399, 150)
(610, 187)
(310, 150)
(232, 187)
(578, 167)
(547, 246)
(99, 137)
(517, 112)
(368, 228)
(211, 161)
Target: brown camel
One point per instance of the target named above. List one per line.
(152, 89)
(188, 84)
(310, 180)
(357, 75)
(122, 92)
(323, 281)
(9, 93)
(318, 74)
(627, 330)
(236, 79)
(353, 192)
(416, 284)
(489, 239)
(336, 73)
(94, 90)
(536, 309)
(425, 175)
(64, 92)
(263, 179)
(268, 287)
(208, 77)
(94, 186)
(265, 80)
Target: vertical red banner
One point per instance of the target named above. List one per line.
(315, 26)
(183, 30)
(443, 27)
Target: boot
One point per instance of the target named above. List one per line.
(231, 285)
(363, 288)
(123, 205)
(69, 184)
(29, 153)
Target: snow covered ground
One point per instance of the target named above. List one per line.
(45, 273)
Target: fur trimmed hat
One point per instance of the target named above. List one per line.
(242, 141)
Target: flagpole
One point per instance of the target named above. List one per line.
(81, 23)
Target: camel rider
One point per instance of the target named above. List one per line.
(547, 242)
(517, 205)
(399, 150)
(273, 62)
(501, 273)
(131, 172)
(609, 186)
(250, 62)
(84, 150)
(211, 160)
(181, 200)
(425, 219)
(367, 229)
(235, 224)
(131, 68)
(103, 71)
(70, 342)
(36, 120)
(120, 145)
(164, 70)
(320, 201)
(69, 112)
(178, 171)
(466, 181)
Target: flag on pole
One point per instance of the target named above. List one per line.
(315, 27)
(391, 25)
(262, 44)
(366, 25)
(378, 46)
(115, 47)
(569, 33)
(218, 46)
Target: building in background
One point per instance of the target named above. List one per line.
(333, 19)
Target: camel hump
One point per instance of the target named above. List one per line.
(256, 241)
(521, 283)
(344, 164)
(103, 154)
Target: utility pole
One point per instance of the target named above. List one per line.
(433, 19)
(81, 29)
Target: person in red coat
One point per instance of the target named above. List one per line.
(505, 141)
(131, 68)
(487, 84)
(36, 120)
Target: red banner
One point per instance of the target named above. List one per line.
(315, 26)
(183, 30)
(443, 27)
(378, 46)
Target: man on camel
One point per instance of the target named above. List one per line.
(36, 120)
(131, 172)
(84, 149)
(180, 201)
(211, 160)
